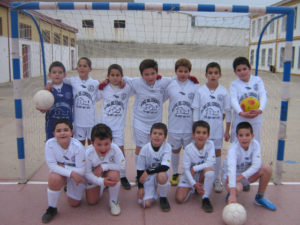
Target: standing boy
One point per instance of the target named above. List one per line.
(243, 166)
(197, 167)
(153, 168)
(245, 86)
(210, 104)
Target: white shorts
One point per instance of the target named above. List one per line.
(185, 183)
(140, 138)
(218, 143)
(118, 137)
(150, 187)
(179, 140)
(75, 191)
(81, 133)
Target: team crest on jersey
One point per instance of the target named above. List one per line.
(255, 87)
(150, 105)
(123, 96)
(91, 88)
(191, 95)
(111, 159)
(220, 98)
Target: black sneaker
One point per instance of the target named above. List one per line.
(125, 183)
(246, 188)
(206, 205)
(49, 214)
(164, 204)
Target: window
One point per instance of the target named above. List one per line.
(1, 32)
(25, 31)
(56, 38)
(299, 58)
(46, 35)
(293, 57)
(252, 57)
(272, 25)
(258, 26)
(72, 42)
(270, 56)
(265, 21)
(295, 19)
(281, 61)
(283, 24)
(253, 28)
(263, 57)
(65, 40)
(119, 23)
(88, 23)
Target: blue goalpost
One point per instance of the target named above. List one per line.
(17, 6)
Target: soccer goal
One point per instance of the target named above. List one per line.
(127, 33)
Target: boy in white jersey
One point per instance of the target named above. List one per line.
(85, 96)
(243, 166)
(181, 93)
(210, 104)
(114, 108)
(153, 168)
(104, 161)
(246, 85)
(66, 161)
(197, 167)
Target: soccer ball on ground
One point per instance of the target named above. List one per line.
(234, 214)
(249, 103)
(43, 100)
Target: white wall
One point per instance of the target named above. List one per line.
(4, 59)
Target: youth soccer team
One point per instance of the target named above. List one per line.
(195, 124)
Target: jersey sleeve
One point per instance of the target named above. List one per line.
(141, 161)
(234, 99)
(186, 168)
(68, 80)
(256, 160)
(227, 107)
(89, 175)
(119, 161)
(79, 161)
(262, 95)
(231, 165)
(166, 159)
(210, 160)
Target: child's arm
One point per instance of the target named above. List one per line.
(186, 168)
(210, 160)
(256, 160)
(227, 132)
(196, 106)
(119, 163)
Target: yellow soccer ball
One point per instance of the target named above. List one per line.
(249, 103)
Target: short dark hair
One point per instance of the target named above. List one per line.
(101, 131)
(62, 120)
(201, 123)
(183, 62)
(57, 64)
(148, 63)
(160, 126)
(244, 125)
(88, 61)
(116, 67)
(213, 65)
(240, 61)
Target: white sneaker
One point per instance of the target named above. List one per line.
(115, 209)
(218, 186)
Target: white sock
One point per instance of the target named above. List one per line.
(114, 192)
(163, 189)
(53, 197)
(208, 183)
(123, 172)
(217, 167)
(175, 162)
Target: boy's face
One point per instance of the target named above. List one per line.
(149, 75)
(63, 134)
(115, 77)
(200, 136)
(83, 69)
(157, 137)
(244, 136)
(182, 73)
(213, 75)
(102, 147)
(243, 72)
(57, 75)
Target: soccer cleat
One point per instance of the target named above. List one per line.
(115, 208)
(49, 214)
(175, 179)
(265, 203)
(218, 186)
(125, 183)
(164, 204)
(206, 205)
(246, 188)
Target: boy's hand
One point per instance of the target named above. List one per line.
(158, 77)
(194, 79)
(141, 193)
(248, 114)
(61, 164)
(239, 178)
(199, 189)
(98, 171)
(49, 87)
(41, 110)
(143, 177)
(103, 84)
(227, 136)
(77, 178)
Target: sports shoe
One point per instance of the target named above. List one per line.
(164, 204)
(115, 208)
(226, 198)
(175, 179)
(206, 205)
(49, 214)
(246, 188)
(218, 186)
(125, 183)
(265, 203)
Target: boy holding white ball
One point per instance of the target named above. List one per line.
(243, 166)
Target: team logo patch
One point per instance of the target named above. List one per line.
(191, 96)
(255, 87)
(220, 98)
(123, 96)
(91, 88)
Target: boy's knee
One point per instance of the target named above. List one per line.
(148, 203)
(266, 168)
(162, 178)
(114, 175)
(73, 202)
(55, 181)
(179, 198)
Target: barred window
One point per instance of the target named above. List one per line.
(119, 23)
(46, 35)
(72, 42)
(65, 40)
(56, 38)
(25, 31)
(88, 23)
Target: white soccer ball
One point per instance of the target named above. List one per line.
(43, 100)
(234, 214)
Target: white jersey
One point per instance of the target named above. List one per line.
(239, 161)
(85, 97)
(211, 106)
(240, 90)
(114, 106)
(113, 160)
(197, 159)
(72, 158)
(181, 95)
(147, 107)
(149, 159)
